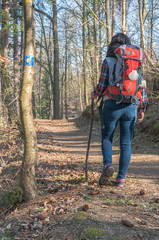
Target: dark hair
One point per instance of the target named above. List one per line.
(121, 39)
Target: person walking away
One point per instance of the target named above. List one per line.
(120, 86)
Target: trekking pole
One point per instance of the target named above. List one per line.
(89, 139)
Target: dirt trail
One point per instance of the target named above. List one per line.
(137, 202)
(72, 209)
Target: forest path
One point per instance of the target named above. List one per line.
(68, 208)
(65, 143)
(69, 139)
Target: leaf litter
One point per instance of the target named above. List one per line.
(66, 203)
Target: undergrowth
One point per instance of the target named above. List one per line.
(10, 198)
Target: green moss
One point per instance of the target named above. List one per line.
(80, 216)
(41, 209)
(77, 180)
(91, 233)
(8, 199)
(109, 201)
(155, 128)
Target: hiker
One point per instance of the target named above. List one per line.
(124, 101)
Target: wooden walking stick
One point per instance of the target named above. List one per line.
(89, 139)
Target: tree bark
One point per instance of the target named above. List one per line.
(78, 76)
(49, 65)
(2, 125)
(5, 27)
(40, 75)
(22, 46)
(4, 71)
(66, 60)
(124, 28)
(100, 43)
(113, 18)
(95, 45)
(84, 55)
(61, 93)
(92, 75)
(56, 63)
(108, 28)
(30, 143)
(16, 60)
(152, 28)
(142, 13)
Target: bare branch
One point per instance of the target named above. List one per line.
(94, 13)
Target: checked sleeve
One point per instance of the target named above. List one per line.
(103, 80)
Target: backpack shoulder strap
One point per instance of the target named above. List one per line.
(111, 65)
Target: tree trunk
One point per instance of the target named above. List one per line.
(84, 55)
(66, 60)
(95, 45)
(90, 54)
(49, 64)
(78, 77)
(142, 13)
(113, 18)
(124, 28)
(16, 61)
(62, 91)
(5, 27)
(56, 63)
(30, 142)
(22, 46)
(40, 75)
(2, 125)
(108, 28)
(4, 70)
(100, 42)
(152, 28)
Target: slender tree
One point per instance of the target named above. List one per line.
(66, 70)
(30, 142)
(21, 44)
(1, 99)
(95, 45)
(16, 58)
(142, 15)
(84, 54)
(108, 26)
(4, 70)
(113, 17)
(56, 63)
(152, 27)
(48, 54)
(124, 15)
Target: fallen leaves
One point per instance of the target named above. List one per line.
(142, 192)
(127, 222)
(41, 216)
(94, 192)
(85, 208)
(60, 177)
(53, 190)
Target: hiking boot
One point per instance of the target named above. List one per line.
(120, 182)
(108, 171)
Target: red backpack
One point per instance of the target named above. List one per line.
(125, 74)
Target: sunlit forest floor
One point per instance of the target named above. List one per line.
(68, 208)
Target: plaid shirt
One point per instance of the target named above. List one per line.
(103, 83)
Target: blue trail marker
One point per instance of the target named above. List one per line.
(29, 61)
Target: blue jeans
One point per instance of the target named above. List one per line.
(113, 113)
